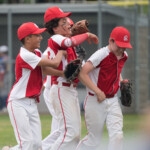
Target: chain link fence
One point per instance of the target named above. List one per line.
(102, 17)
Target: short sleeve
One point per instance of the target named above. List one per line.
(30, 58)
(97, 57)
(58, 39)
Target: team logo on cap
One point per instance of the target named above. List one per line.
(125, 38)
(61, 10)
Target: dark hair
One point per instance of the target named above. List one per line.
(113, 40)
(23, 40)
(51, 24)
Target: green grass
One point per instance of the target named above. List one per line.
(7, 135)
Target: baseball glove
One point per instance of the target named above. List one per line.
(80, 51)
(126, 93)
(72, 70)
(80, 27)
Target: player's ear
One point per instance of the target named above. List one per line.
(55, 30)
(111, 40)
(27, 38)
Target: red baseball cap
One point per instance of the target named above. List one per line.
(28, 28)
(54, 12)
(121, 36)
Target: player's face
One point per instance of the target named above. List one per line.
(115, 48)
(64, 27)
(35, 41)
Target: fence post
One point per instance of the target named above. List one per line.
(9, 35)
(149, 51)
(100, 23)
(136, 63)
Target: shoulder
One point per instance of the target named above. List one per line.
(24, 52)
(57, 40)
(57, 37)
(101, 53)
(98, 56)
(27, 55)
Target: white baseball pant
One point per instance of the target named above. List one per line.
(66, 106)
(54, 124)
(26, 123)
(96, 115)
(54, 134)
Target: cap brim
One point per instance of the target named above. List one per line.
(123, 44)
(65, 15)
(39, 31)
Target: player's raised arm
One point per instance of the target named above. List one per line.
(78, 39)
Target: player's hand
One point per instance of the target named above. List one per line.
(101, 96)
(92, 37)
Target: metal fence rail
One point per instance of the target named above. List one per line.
(102, 18)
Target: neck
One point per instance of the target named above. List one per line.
(29, 48)
(118, 54)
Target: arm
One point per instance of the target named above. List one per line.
(53, 63)
(78, 39)
(120, 79)
(85, 79)
(52, 71)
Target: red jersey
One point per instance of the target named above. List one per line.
(107, 70)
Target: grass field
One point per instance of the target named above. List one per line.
(7, 135)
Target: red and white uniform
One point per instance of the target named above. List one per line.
(23, 98)
(27, 75)
(59, 42)
(106, 76)
(64, 99)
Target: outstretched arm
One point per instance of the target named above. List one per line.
(78, 39)
(85, 79)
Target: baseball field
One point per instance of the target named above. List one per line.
(7, 135)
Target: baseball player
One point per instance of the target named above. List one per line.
(24, 95)
(101, 74)
(63, 94)
(49, 140)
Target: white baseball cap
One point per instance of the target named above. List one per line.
(3, 49)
